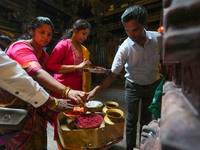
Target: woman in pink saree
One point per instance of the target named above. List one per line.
(68, 59)
(29, 53)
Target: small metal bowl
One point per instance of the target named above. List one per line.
(94, 106)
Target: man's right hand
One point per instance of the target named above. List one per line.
(59, 105)
(64, 105)
(91, 94)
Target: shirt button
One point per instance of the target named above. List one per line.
(17, 92)
(35, 102)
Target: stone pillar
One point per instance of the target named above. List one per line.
(180, 118)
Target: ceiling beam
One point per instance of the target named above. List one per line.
(120, 10)
(59, 7)
(115, 26)
(10, 5)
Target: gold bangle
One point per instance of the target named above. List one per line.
(55, 104)
(64, 91)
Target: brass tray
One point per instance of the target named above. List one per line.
(95, 70)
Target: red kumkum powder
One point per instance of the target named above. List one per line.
(89, 120)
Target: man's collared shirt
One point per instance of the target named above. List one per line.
(140, 63)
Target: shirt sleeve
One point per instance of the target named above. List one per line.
(119, 60)
(16, 81)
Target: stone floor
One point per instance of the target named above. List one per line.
(113, 93)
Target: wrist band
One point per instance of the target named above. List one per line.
(55, 104)
(51, 98)
(64, 91)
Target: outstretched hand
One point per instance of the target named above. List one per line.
(78, 96)
(90, 95)
(64, 105)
